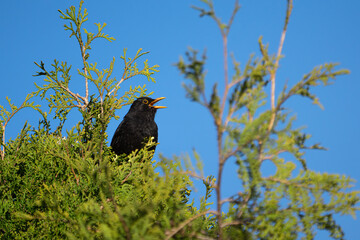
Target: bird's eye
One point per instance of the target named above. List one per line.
(145, 101)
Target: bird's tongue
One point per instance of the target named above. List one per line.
(155, 101)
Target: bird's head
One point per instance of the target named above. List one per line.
(145, 105)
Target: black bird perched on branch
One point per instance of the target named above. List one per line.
(137, 127)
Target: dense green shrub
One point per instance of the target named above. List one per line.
(60, 183)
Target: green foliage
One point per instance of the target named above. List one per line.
(66, 183)
(294, 201)
(58, 183)
(6, 116)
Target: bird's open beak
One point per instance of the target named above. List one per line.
(155, 101)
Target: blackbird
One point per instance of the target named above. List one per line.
(137, 127)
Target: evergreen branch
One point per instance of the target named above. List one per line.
(216, 105)
(126, 178)
(121, 217)
(23, 133)
(67, 160)
(131, 70)
(287, 182)
(232, 223)
(235, 82)
(78, 19)
(173, 231)
(7, 116)
(118, 200)
(195, 175)
(72, 169)
(201, 237)
(318, 75)
(269, 157)
(235, 10)
(76, 96)
(276, 66)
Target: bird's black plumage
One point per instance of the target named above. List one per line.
(137, 127)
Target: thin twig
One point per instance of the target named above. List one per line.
(234, 82)
(77, 179)
(76, 96)
(123, 78)
(3, 126)
(191, 174)
(68, 162)
(287, 182)
(244, 205)
(126, 178)
(278, 55)
(269, 157)
(231, 153)
(226, 200)
(219, 119)
(83, 56)
(117, 85)
(229, 116)
(72, 169)
(83, 53)
(2, 149)
(226, 77)
(236, 8)
(201, 237)
(233, 223)
(220, 131)
(175, 230)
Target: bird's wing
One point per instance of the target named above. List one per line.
(117, 133)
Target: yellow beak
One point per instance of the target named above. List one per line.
(155, 101)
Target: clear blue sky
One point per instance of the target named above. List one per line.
(319, 32)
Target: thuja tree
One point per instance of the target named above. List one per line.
(254, 126)
(58, 182)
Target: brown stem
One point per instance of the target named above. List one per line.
(76, 96)
(76, 178)
(3, 126)
(83, 56)
(72, 169)
(233, 223)
(219, 120)
(173, 231)
(123, 78)
(226, 76)
(191, 174)
(287, 182)
(2, 149)
(269, 157)
(220, 131)
(126, 178)
(278, 55)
